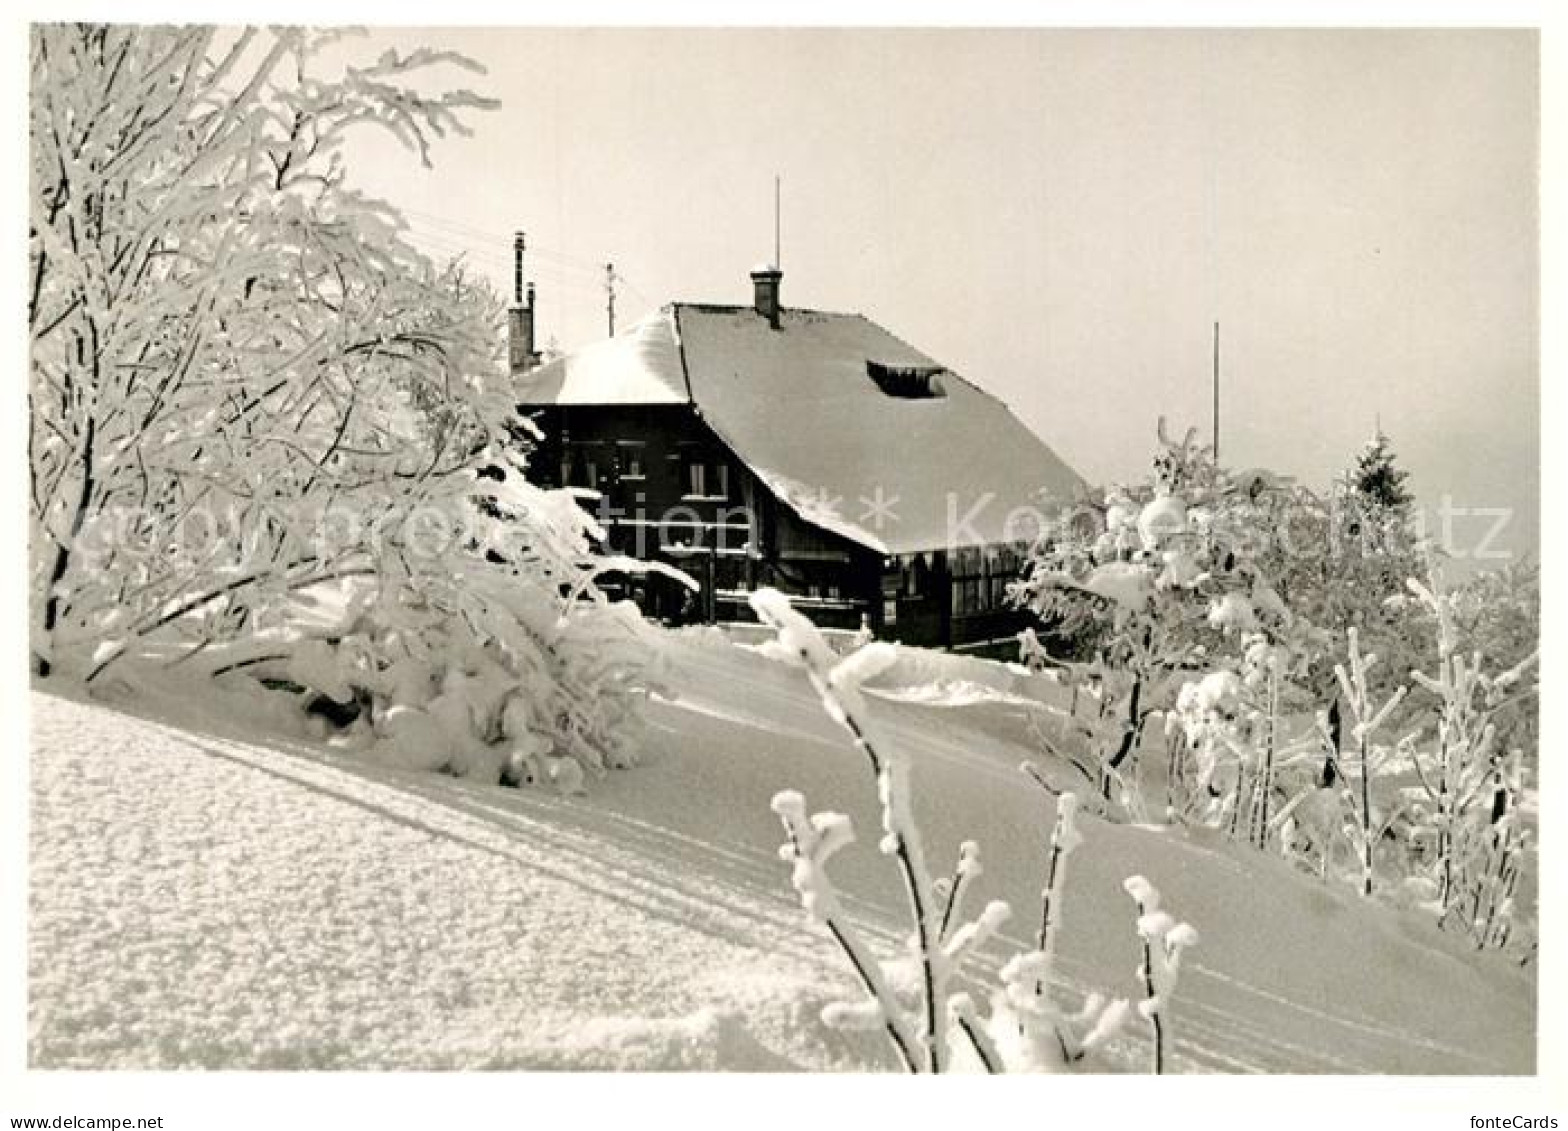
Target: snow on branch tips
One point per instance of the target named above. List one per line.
(812, 842)
(1164, 940)
(837, 683)
(931, 1028)
(1029, 1028)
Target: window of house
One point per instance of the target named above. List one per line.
(580, 466)
(707, 480)
(631, 459)
(979, 584)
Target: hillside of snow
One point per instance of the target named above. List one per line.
(206, 894)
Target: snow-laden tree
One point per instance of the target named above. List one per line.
(222, 330)
(1378, 480)
(1163, 578)
(1352, 573)
(1467, 801)
(247, 388)
(1243, 741)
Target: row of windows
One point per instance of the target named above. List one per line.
(969, 596)
(980, 594)
(599, 466)
(981, 577)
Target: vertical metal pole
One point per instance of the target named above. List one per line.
(777, 254)
(1216, 392)
(609, 293)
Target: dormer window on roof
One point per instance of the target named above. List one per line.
(910, 382)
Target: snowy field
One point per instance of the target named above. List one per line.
(204, 896)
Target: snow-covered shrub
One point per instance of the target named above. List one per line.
(938, 940)
(1366, 827)
(1497, 613)
(231, 351)
(1028, 1027)
(482, 669)
(1275, 633)
(249, 390)
(1243, 748)
(908, 998)
(1164, 940)
(1466, 803)
(1171, 574)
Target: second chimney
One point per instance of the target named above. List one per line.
(765, 281)
(521, 355)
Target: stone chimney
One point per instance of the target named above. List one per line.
(521, 355)
(765, 281)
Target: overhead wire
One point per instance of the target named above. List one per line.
(455, 230)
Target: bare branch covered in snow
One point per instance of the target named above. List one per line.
(1164, 940)
(1026, 1030)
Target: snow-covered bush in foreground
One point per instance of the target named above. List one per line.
(909, 999)
(1028, 1027)
(231, 351)
(249, 390)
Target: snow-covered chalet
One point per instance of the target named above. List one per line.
(810, 451)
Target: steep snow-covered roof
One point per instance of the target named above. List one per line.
(800, 405)
(640, 366)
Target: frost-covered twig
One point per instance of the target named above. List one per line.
(1031, 1030)
(961, 1012)
(1164, 939)
(837, 683)
(1064, 839)
(812, 842)
(1367, 717)
(1033, 1033)
(1026, 1029)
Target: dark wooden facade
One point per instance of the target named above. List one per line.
(672, 491)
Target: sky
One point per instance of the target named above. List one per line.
(1060, 216)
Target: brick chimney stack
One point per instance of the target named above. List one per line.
(765, 281)
(521, 355)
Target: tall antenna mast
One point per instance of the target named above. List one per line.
(777, 261)
(1216, 393)
(609, 295)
